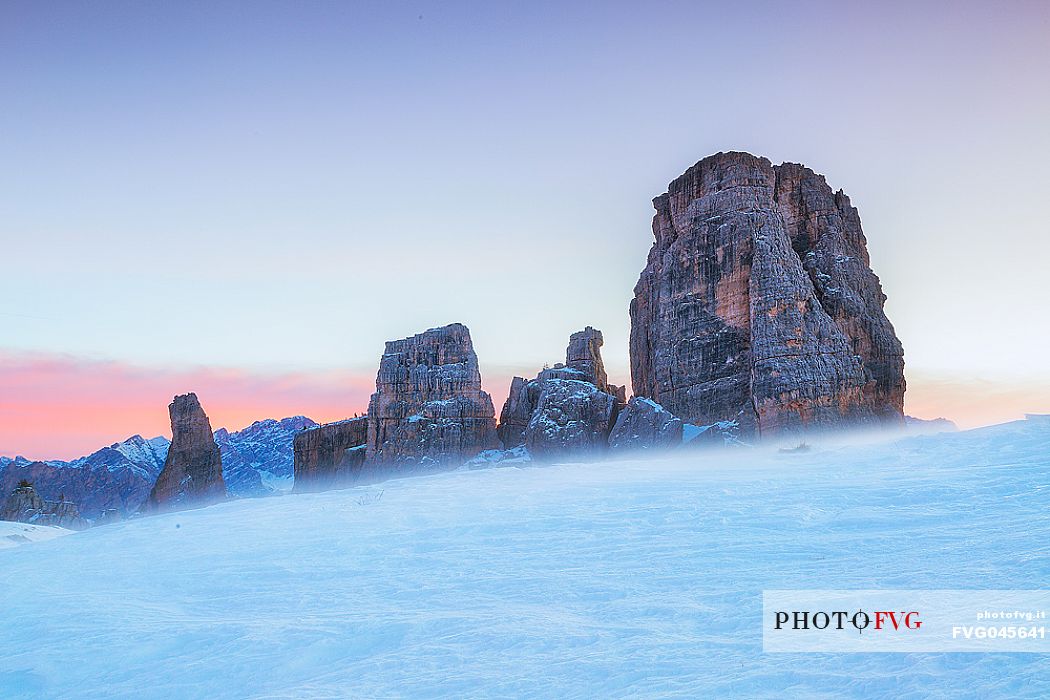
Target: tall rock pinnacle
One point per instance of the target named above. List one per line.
(757, 304)
(585, 355)
(192, 474)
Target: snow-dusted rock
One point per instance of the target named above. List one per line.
(644, 424)
(428, 409)
(329, 456)
(757, 304)
(7, 461)
(192, 473)
(583, 362)
(929, 425)
(584, 355)
(115, 481)
(572, 418)
(25, 505)
(107, 517)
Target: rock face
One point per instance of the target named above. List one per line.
(758, 305)
(24, 505)
(428, 409)
(192, 474)
(566, 408)
(329, 456)
(584, 355)
(645, 425)
(571, 417)
(517, 412)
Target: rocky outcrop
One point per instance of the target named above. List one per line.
(583, 363)
(329, 456)
(644, 424)
(758, 305)
(524, 398)
(584, 356)
(572, 417)
(192, 473)
(428, 409)
(24, 505)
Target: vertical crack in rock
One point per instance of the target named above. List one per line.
(757, 304)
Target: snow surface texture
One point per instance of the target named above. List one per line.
(14, 534)
(628, 578)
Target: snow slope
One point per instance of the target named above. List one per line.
(640, 579)
(14, 534)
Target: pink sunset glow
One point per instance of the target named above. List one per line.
(61, 407)
(971, 403)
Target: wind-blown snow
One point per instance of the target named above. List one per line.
(634, 578)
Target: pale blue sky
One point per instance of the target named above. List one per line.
(284, 186)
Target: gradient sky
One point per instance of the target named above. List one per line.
(248, 199)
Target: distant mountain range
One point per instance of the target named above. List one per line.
(256, 461)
